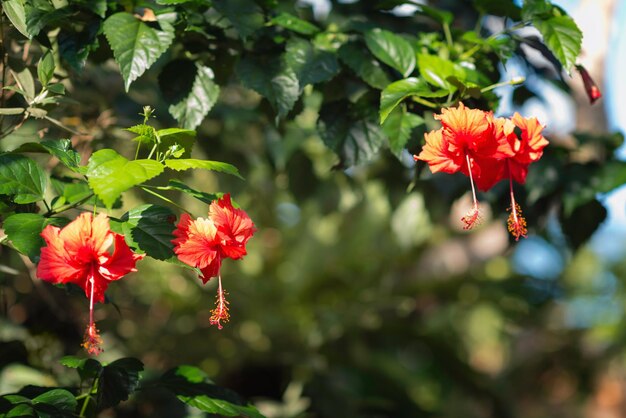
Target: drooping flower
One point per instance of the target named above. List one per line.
(527, 149)
(470, 141)
(486, 149)
(205, 242)
(591, 88)
(79, 254)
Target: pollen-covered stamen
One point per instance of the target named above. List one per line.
(516, 224)
(220, 313)
(92, 341)
(473, 216)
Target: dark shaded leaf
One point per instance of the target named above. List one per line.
(118, 381)
(149, 228)
(583, 222)
(311, 66)
(61, 149)
(272, 78)
(295, 24)
(202, 196)
(359, 60)
(245, 15)
(398, 127)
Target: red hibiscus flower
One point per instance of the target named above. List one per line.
(526, 149)
(204, 243)
(79, 254)
(470, 141)
(487, 150)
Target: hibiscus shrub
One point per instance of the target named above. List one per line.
(376, 84)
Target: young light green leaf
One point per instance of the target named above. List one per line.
(310, 65)
(363, 64)
(149, 228)
(398, 127)
(391, 49)
(436, 70)
(396, 92)
(179, 142)
(245, 15)
(272, 78)
(22, 177)
(110, 174)
(24, 229)
(136, 46)
(45, 68)
(191, 110)
(563, 37)
(14, 9)
(293, 23)
(186, 164)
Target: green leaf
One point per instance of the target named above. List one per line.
(21, 411)
(363, 64)
(42, 15)
(56, 88)
(26, 83)
(136, 46)
(398, 127)
(202, 196)
(22, 177)
(355, 137)
(391, 49)
(192, 386)
(441, 16)
(293, 23)
(272, 78)
(110, 174)
(436, 70)
(396, 92)
(72, 190)
(149, 228)
(533, 9)
(45, 68)
(117, 381)
(192, 109)
(61, 149)
(245, 15)
(24, 229)
(62, 400)
(311, 66)
(580, 225)
(563, 37)
(87, 368)
(177, 141)
(186, 164)
(14, 9)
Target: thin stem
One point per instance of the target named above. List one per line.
(512, 82)
(68, 207)
(447, 33)
(424, 102)
(92, 391)
(152, 192)
(469, 169)
(137, 151)
(152, 151)
(513, 203)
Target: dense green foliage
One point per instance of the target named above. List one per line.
(359, 295)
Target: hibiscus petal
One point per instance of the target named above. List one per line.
(56, 265)
(121, 262)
